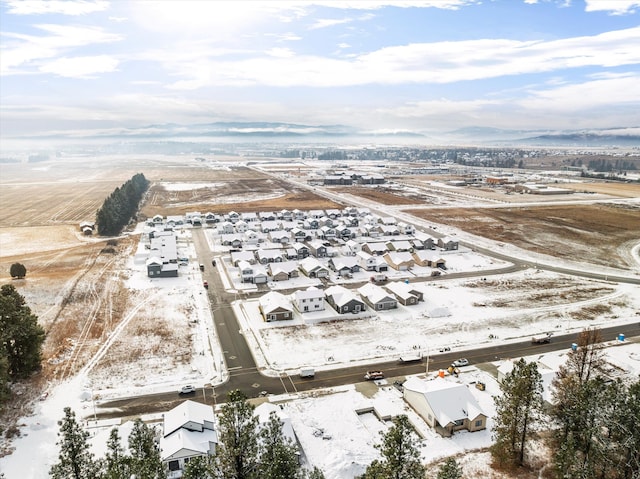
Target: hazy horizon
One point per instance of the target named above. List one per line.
(87, 68)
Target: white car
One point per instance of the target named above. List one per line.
(187, 389)
(458, 363)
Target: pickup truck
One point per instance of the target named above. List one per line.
(542, 339)
(373, 375)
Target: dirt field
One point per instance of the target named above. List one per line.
(254, 192)
(599, 234)
(385, 195)
(74, 283)
(622, 190)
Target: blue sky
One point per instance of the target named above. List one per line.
(81, 68)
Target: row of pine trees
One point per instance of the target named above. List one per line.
(121, 206)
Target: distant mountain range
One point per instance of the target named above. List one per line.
(604, 137)
(262, 131)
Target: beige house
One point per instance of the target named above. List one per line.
(429, 258)
(400, 261)
(445, 405)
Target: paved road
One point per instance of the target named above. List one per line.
(246, 379)
(491, 252)
(244, 374)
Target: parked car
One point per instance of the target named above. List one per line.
(188, 389)
(205, 284)
(458, 363)
(445, 349)
(213, 263)
(373, 375)
(201, 267)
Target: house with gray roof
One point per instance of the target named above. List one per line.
(343, 300)
(445, 405)
(376, 297)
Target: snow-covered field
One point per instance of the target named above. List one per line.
(334, 432)
(477, 309)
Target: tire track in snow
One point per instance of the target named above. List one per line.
(114, 335)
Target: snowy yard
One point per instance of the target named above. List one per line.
(336, 428)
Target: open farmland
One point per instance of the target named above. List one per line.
(600, 234)
(385, 195)
(622, 190)
(241, 190)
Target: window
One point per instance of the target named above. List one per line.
(378, 306)
(174, 466)
(479, 423)
(306, 308)
(345, 309)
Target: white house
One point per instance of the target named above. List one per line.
(445, 405)
(308, 300)
(187, 431)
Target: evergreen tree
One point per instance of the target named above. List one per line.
(238, 448)
(18, 270)
(116, 463)
(200, 467)
(315, 473)
(401, 458)
(579, 399)
(626, 433)
(278, 457)
(4, 376)
(75, 461)
(517, 409)
(121, 205)
(145, 455)
(450, 470)
(21, 336)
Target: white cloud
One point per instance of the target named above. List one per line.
(594, 104)
(25, 51)
(378, 4)
(280, 52)
(284, 37)
(615, 7)
(598, 93)
(329, 22)
(64, 7)
(81, 67)
(440, 62)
